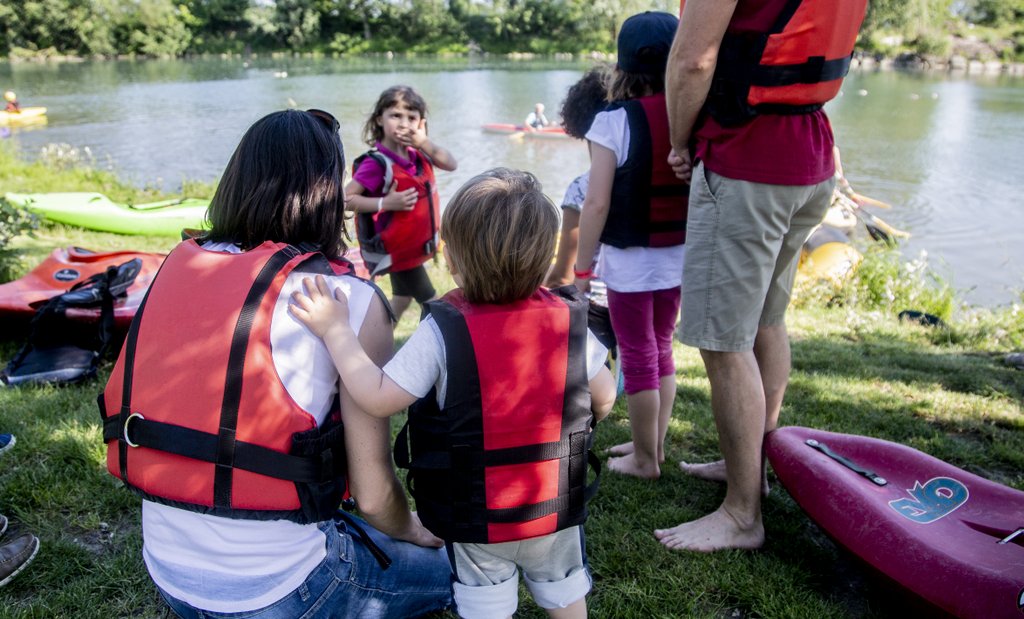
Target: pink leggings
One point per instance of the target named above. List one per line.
(643, 323)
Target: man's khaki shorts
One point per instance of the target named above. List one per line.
(743, 243)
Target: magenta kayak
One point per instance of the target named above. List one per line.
(949, 536)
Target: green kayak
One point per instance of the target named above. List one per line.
(96, 212)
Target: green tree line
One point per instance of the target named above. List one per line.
(180, 27)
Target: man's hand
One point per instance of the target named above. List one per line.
(681, 165)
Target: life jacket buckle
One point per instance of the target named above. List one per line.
(126, 422)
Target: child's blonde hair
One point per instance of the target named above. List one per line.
(500, 233)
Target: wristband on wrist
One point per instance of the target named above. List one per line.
(588, 274)
(380, 203)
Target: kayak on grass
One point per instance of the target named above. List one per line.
(27, 114)
(950, 537)
(828, 256)
(64, 268)
(556, 133)
(97, 212)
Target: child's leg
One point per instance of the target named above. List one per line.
(486, 579)
(632, 315)
(666, 312)
(555, 570)
(408, 285)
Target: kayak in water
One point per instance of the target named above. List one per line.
(556, 133)
(26, 115)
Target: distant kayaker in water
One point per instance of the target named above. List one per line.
(394, 194)
(536, 118)
(12, 106)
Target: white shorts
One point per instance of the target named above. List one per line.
(487, 575)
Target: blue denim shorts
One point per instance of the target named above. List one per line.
(350, 581)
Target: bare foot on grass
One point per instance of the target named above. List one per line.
(715, 471)
(627, 465)
(716, 531)
(625, 449)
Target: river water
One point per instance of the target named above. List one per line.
(945, 151)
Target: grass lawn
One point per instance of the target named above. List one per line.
(856, 369)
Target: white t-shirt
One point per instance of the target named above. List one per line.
(231, 565)
(420, 363)
(632, 269)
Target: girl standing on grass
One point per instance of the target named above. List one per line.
(394, 193)
(635, 212)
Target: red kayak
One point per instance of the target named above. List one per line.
(951, 537)
(556, 133)
(64, 268)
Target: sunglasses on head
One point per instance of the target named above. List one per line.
(326, 118)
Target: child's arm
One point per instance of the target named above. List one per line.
(326, 315)
(561, 271)
(394, 200)
(595, 206)
(602, 393)
(371, 478)
(441, 156)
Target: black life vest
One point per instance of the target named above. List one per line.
(195, 415)
(395, 241)
(648, 203)
(794, 68)
(506, 457)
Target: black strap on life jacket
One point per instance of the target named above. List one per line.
(316, 464)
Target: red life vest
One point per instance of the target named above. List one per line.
(507, 455)
(195, 415)
(648, 203)
(394, 241)
(794, 68)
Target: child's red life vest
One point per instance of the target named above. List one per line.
(794, 68)
(506, 456)
(195, 414)
(648, 203)
(394, 241)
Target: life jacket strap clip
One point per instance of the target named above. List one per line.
(125, 433)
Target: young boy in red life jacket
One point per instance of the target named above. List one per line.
(505, 382)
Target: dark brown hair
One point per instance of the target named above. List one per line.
(283, 183)
(584, 100)
(626, 85)
(500, 233)
(372, 132)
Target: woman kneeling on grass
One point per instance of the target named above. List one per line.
(226, 414)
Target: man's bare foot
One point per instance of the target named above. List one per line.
(627, 465)
(716, 531)
(624, 449)
(715, 471)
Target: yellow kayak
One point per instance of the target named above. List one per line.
(26, 115)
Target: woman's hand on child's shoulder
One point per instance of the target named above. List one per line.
(318, 308)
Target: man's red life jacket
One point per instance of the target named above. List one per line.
(195, 414)
(648, 203)
(506, 456)
(394, 241)
(794, 68)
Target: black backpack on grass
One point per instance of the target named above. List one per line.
(63, 351)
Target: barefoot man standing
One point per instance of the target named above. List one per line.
(763, 179)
